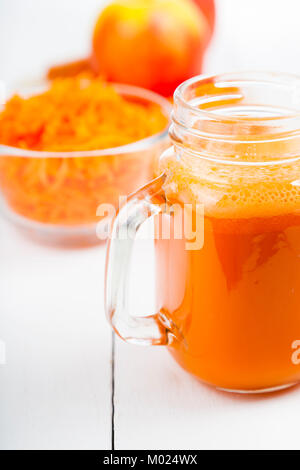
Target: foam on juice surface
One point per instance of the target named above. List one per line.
(229, 190)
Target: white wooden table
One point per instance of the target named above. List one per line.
(62, 373)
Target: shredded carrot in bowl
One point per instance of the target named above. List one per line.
(40, 175)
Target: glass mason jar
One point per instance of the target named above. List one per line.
(227, 239)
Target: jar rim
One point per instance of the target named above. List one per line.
(241, 117)
(228, 78)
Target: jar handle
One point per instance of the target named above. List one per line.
(141, 205)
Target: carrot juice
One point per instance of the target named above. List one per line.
(228, 288)
(236, 301)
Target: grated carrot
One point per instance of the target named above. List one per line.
(75, 114)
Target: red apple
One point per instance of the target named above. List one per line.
(155, 44)
(208, 8)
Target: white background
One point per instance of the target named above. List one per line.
(56, 386)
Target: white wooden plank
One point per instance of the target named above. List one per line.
(157, 404)
(160, 406)
(55, 389)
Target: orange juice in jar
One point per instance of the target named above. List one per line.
(229, 295)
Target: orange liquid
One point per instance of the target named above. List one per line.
(236, 301)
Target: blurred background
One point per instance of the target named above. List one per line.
(249, 34)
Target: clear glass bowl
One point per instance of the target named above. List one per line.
(54, 196)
